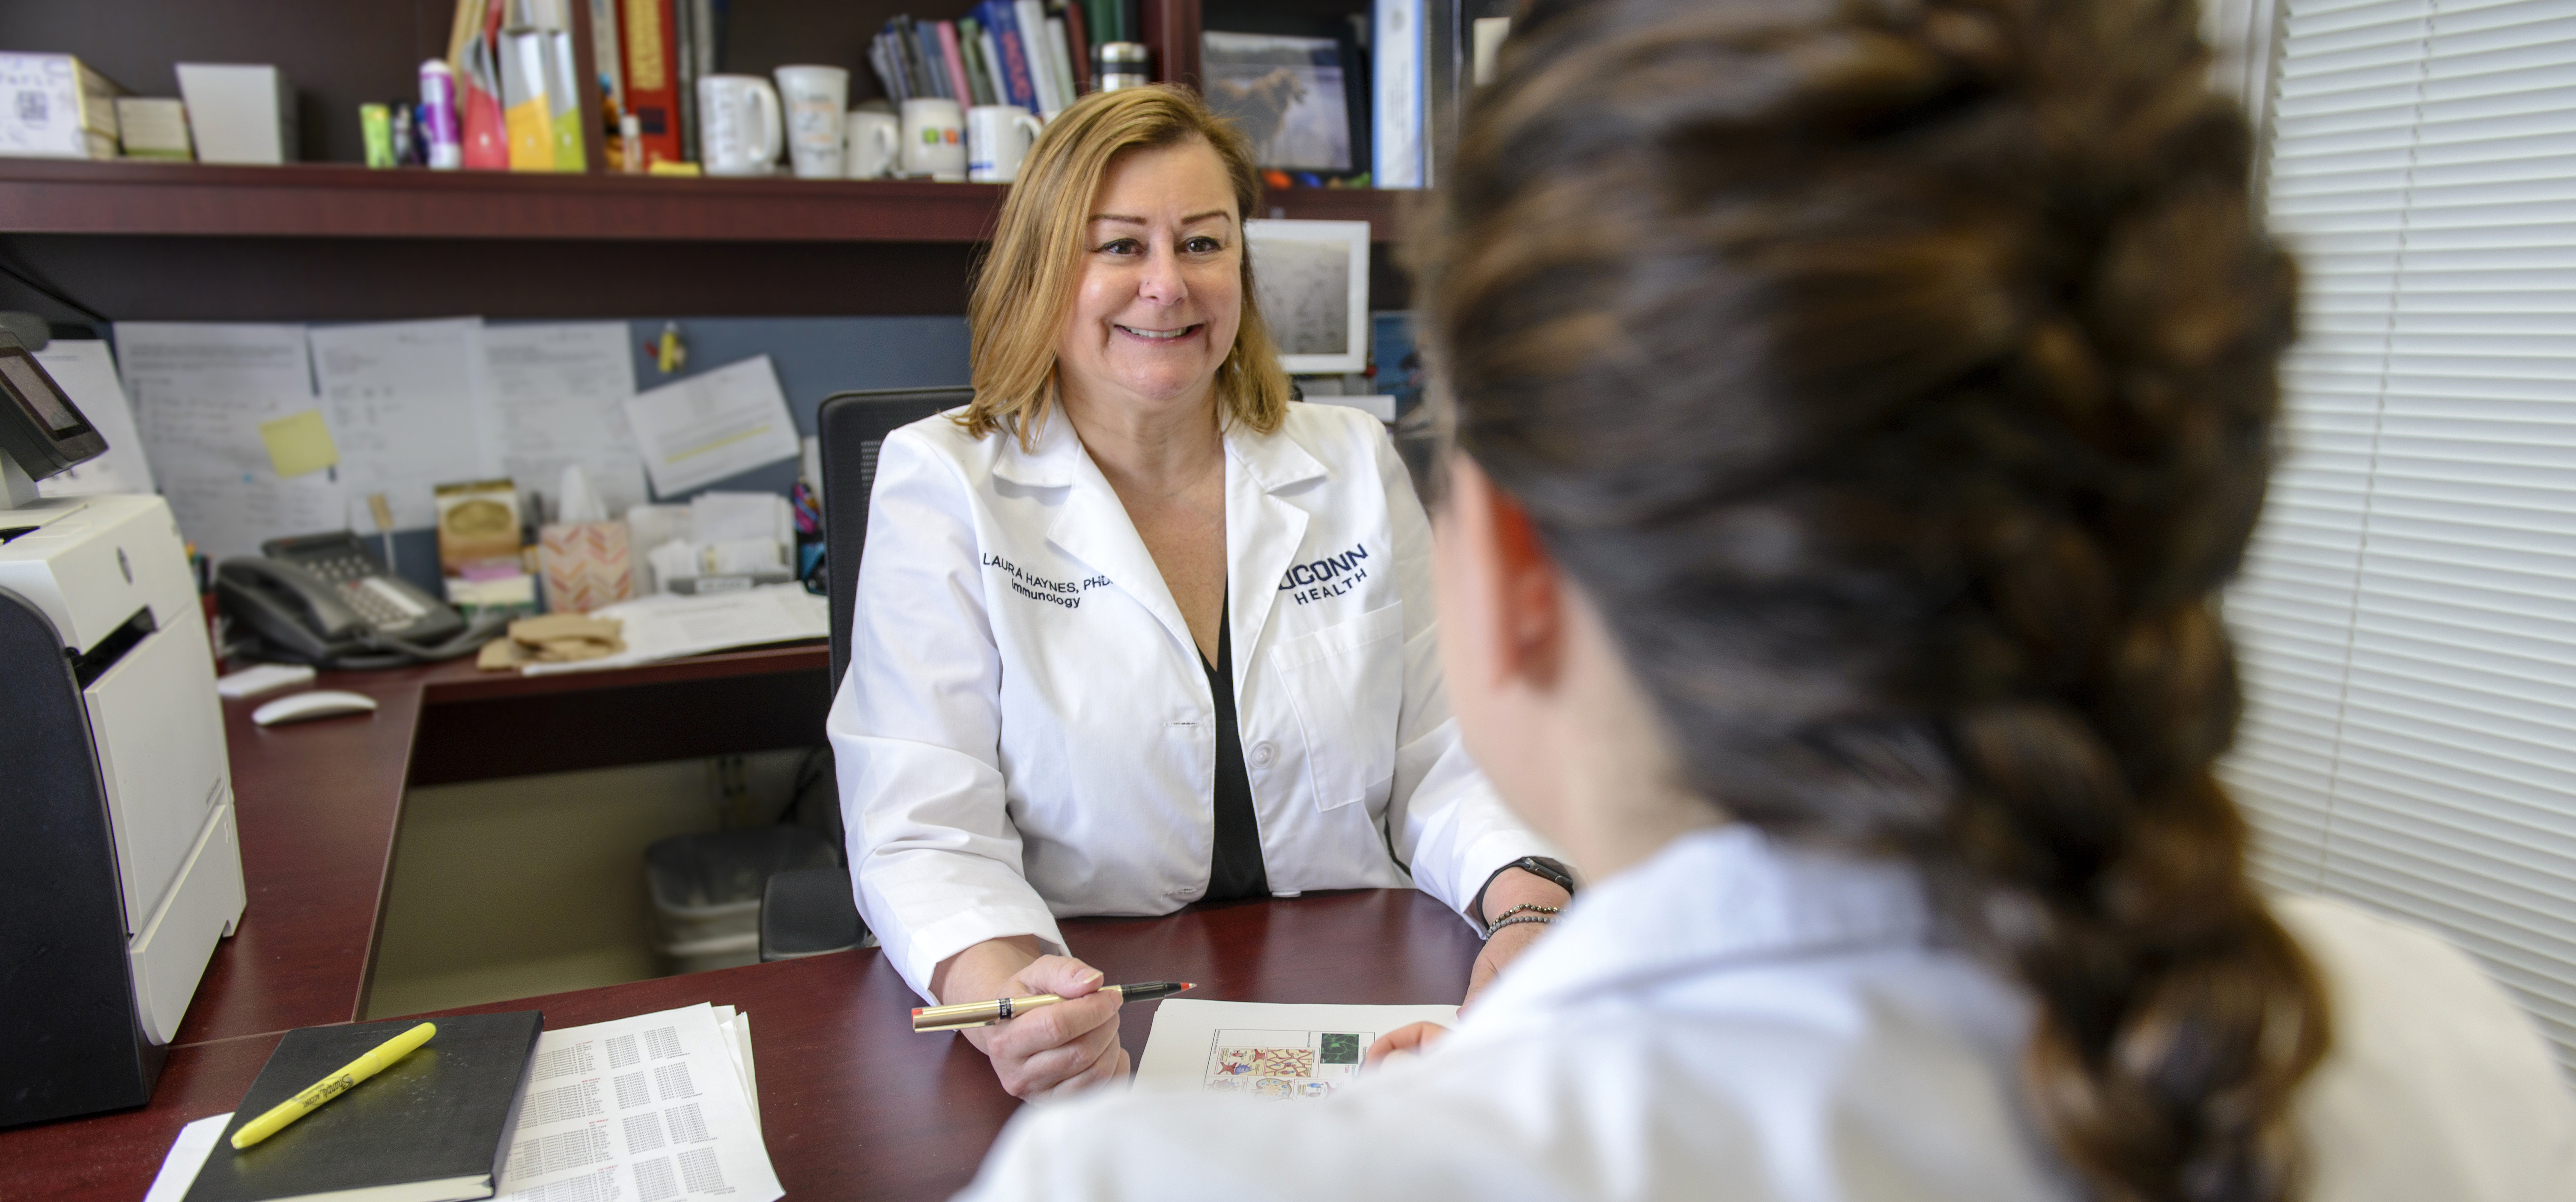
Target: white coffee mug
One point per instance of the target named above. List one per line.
(997, 138)
(934, 140)
(815, 98)
(740, 131)
(870, 140)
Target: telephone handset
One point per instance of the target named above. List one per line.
(324, 599)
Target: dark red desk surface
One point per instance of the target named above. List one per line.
(853, 1103)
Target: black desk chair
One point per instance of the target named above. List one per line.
(810, 911)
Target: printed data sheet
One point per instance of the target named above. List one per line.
(655, 1108)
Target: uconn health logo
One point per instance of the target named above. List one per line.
(1326, 578)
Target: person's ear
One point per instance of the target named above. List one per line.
(1516, 601)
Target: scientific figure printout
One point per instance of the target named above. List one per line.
(1269, 1051)
(705, 428)
(401, 397)
(555, 396)
(200, 393)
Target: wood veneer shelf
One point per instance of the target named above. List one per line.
(319, 200)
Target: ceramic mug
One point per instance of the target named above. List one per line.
(870, 142)
(814, 98)
(740, 130)
(934, 140)
(997, 138)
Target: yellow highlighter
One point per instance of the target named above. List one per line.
(333, 1086)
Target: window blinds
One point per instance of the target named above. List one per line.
(2407, 619)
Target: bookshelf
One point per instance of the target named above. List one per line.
(168, 241)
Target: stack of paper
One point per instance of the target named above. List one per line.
(668, 626)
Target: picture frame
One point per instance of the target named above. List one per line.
(1312, 284)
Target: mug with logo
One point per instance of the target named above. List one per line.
(814, 98)
(740, 130)
(871, 142)
(997, 138)
(934, 140)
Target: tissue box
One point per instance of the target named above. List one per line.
(240, 113)
(585, 565)
(53, 107)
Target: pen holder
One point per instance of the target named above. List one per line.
(585, 564)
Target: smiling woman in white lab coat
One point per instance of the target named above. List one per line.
(1858, 408)
(1134, 631)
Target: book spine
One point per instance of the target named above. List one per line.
(1077, 26)
(925, 41)
(1031, 21)
(970, 47)
(953, 60)
(996, 75)
(650, 32)
(884, 69)
(1396, 50)
(1017, 72)
(684, 54)
(1060, 62)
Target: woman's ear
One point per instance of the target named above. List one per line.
(1509, 601)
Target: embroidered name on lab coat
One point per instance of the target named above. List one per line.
(1326, 578)
(1038, 588)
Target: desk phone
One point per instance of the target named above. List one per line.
(319, 597)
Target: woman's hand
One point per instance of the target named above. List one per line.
(1411, 1039)
(1069, 1046)
(1506, 945)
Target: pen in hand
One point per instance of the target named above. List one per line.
(333, 1086)
(984, 1014)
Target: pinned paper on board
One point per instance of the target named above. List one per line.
(712, 426)
(299, 443)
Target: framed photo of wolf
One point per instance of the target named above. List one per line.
(1285, 94)
(1311, 279)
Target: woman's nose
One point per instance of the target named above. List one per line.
(1163, 283)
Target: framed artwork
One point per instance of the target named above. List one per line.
(1311, 280)
(1286, 94)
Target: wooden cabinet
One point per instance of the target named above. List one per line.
(330, 239)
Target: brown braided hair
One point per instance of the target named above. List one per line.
(1898, 378)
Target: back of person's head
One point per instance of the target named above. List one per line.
(1897, 378)
(1025, 284)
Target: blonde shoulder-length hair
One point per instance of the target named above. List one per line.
(1025, 285)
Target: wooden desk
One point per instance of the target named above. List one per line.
(853, 1104)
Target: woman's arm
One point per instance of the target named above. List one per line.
(916, 730)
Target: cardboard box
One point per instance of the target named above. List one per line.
(240, 113)
(53, 107)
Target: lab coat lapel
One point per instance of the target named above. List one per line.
(1262, 532)
(1094, 528)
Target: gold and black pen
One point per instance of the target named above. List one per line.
(985, 1014)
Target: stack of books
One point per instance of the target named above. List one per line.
(1030, 53)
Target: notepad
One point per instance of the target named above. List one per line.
(1269, 1051)
(429, 1128)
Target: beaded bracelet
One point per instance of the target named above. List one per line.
(1540, 919)
(1531, 907)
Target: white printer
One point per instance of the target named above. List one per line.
(119, 867)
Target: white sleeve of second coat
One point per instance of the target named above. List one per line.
(1444, 821)
(916, 730)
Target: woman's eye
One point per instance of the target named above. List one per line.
(1122, 246)
(1203, 245)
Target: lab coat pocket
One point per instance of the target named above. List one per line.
(1347, 682)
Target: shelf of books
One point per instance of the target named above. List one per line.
(320, 200)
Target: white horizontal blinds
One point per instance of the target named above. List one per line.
(2407, 620)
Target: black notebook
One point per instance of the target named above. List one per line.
(432, 1127)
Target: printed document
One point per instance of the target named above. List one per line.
(87, 373)
(200, 392)
(668, 625)
(656, 1108)
(1269, 1051)
(708, 427)
(401, 398)
(555, 396)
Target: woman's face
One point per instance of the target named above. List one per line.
(1160, 289)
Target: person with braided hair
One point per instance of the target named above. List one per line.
(1854, 408)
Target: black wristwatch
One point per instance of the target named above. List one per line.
(1538, 866)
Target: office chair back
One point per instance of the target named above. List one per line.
(851, 426)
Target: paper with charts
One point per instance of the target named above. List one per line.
(1269, 1051)
(656, 1108)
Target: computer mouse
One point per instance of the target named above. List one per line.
(320, 703)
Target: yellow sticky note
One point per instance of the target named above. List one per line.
(299, 443)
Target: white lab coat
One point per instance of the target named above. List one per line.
(1731, 1020)
(1025, 730)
